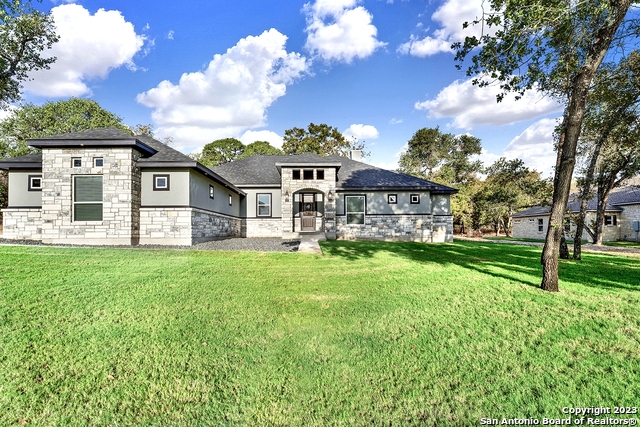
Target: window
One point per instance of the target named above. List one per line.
(211, 191)
(230, 200)
(392, 199)
(307, 174)
(76, 162)
(517, 221)
(540, 224)
(98, 162)
(320, 174)
(610, 220)
(87, 198)
(296, 174)
(161, 183)
(354, 208)
(35, 182)
(264, 204)
(415, 199)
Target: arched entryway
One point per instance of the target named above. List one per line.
(308, 210)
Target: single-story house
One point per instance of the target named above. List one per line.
(107, 187)
(621, 220)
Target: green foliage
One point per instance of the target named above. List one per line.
(25, 34)
(221, 151)
(441, 156)
(508, 188)
(260, 147)
(372, 333)
(53, 118)
(320, 139)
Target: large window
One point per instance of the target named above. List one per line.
(540, 224)
(354, 208)
(264, 204)
(87, 198)
(610, 220)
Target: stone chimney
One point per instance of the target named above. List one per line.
(355, 155)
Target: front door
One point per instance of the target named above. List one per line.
(308, 220)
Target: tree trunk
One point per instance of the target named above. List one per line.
(564, 249)
(574, 114)
(603, 196)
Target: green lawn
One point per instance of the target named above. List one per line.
(368, 334)
(623, 244)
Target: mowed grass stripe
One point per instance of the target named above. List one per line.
(369, 333)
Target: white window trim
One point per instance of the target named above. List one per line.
(347, 212)
(258, 204)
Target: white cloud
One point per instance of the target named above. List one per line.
(230, 96)
(170, 34)
(146, 27)
(252, 136)
(392, 165)
(395, 121)
(534, 146)
(339, 30)
(90, 47)
(6, 113)
(450, 16)
(360, 131)
(471, 105)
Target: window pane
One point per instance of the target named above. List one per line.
(320, 173)
(264, 199)
(88, 212)
(88, 189)
(161, 182)
(36, 183)
(355, 218)
(263, 211)
(308, 174)
(355, 204)
(296, 174)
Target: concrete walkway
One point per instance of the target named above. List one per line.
(309, 243)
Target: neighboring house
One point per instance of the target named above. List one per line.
(107, 187)
(621, 221)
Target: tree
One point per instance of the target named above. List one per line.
(53, 118)
(509, 187)
(221, 151)
(555, 46)
(612, 108)
(25, 34)
(260, 147)
(320, 139)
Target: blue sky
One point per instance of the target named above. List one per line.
(378, 70)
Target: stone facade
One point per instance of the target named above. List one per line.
(22, 223)
(325, 186)
(262, 227)
(531, 228)
(417, 228)
(631, 213)
(121, 196)
(185, 226)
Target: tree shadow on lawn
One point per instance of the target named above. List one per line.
(512, 262)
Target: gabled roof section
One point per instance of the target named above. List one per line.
(263, 171)
(107, 137)
(618, 198)
(29, 161)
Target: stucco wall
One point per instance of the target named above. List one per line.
(250, 200)
(178, 186)
(441, 204)
(377, 203)
(199, 195)
(19, 194)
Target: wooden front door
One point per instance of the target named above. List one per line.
(308, 217)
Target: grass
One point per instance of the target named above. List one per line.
(368, 334)
(623, 244)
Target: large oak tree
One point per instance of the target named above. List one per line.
(555, 46)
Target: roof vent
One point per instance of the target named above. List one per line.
(355, 155)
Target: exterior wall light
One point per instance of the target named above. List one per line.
(286, 196)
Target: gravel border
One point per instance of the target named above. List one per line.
(257, 244)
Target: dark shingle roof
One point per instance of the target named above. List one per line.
(617, 199)
(111, 133)
(29, 161)
(352, 175)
